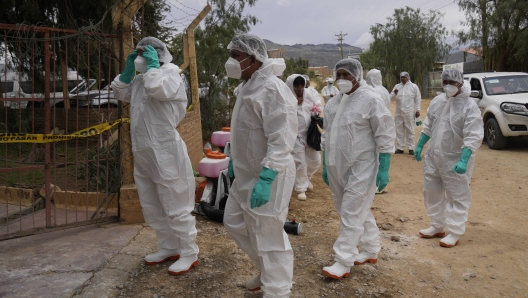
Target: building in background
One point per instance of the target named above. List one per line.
(276, 53)
(321, 71)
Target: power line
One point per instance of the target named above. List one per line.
(444, 6)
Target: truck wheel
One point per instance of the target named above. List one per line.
(493, 135)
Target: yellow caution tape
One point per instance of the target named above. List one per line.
(49, 138)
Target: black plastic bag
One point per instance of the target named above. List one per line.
(313, 137)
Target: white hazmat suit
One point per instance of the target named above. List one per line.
(407, 104)
(311, 89)
(329, 90)
(264, 128)
(357, 128)
(162, 168)
(307, 159)
(452, 123)
(374, 80)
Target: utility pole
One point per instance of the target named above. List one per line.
(340, 39)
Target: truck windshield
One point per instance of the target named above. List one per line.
(506, 84)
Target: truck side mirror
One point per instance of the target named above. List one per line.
(476, 94)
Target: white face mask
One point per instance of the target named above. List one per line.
(140, 64)
(450, 90)
(233, 68)
(344, 86)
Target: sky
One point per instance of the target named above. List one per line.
(292, 22)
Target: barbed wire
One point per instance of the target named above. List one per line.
(187, 6)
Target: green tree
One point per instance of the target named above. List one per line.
(499, 29)
(298, 66)
(410, 41)
(225, 20)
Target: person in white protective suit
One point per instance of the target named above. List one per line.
(454, 126)
(329, 91)
(357, 145)
(408, 97)
(307, 160)
(311, 89)
(263, 132)
(375, 81)
(162, 169)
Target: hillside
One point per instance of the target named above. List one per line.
(320, 54)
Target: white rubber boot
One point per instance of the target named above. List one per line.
(254, 284)
(310, 186)
(161, 256)
(450, 240)
(183, 265)
(337, 271)
(366, 257)
(432, 232)
(301, 196)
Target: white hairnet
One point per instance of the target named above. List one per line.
(453, 74)
(250, 44)
(161, 48)
(374, 77)
(405, 74)
(351, 65)
(307, 78)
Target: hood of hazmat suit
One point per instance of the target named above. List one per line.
(357, 128)
(162, 169)
(304, 110)
(374, 80)
(453, 123)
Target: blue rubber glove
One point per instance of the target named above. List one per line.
(382, 179)
(461, 166)
(128, 73)
(151, 55)
(421, 143)
(325, 174)
(262, 191)
(230, 170)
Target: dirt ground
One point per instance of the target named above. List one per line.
(491, 259)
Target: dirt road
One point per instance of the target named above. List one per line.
(491, 259)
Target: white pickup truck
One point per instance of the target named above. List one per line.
(503, 100)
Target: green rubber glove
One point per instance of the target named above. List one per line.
(128, 73)
(325, 174)
(230, 170)
(421, 143)
(262, 190)
(419, 123)
(461, 166)
(151, 55)
(382, 179)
